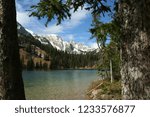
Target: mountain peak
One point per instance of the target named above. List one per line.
(57, 42)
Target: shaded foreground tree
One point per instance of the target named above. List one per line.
(11, 83)
(135, 19)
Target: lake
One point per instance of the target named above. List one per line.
(57, 84)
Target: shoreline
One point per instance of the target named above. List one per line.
(55, 69)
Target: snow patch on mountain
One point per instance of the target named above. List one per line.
(56, 41)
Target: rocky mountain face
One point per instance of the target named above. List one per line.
(23, 31)
(57, 42)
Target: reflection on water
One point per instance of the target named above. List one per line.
(58, 84)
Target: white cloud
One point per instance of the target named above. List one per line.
(27, 3)
(94, 45)
(70, 37)
(19, 7)
(23, 18)
(76, 19)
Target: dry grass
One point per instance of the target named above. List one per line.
(105, 89)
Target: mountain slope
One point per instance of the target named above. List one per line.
(22, 30)
(56, 41)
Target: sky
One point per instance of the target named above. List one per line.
(77, 28)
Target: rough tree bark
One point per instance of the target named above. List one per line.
(11, 83)
(135, 25)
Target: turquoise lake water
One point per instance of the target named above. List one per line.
(58, 84)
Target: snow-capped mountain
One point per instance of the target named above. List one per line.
(56, 41)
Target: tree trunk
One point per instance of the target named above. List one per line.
(11, 83)
(111, 72)
(135, 25)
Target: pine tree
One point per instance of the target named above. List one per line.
(30, 64)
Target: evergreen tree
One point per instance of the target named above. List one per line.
(40, 65)
(29, 48)
(37, 65)
(30, 64)
(22, 62)
(45, 66)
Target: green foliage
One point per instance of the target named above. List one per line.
(30, 64)
(60, 9)
(22, 62)
(51, 9)
(37, 65)
(64, 60)
(28, 48)
(45, 66)
(103, 31)
(110, 52)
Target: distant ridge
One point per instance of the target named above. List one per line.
(56, 41)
